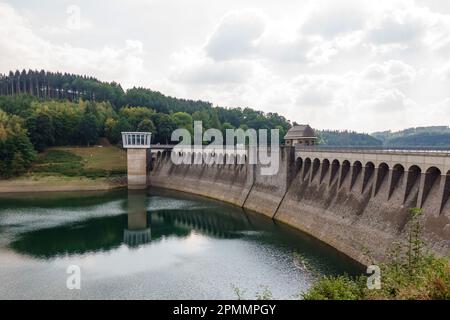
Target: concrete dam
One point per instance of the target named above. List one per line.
(356, 201)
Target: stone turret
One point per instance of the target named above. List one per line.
(302, 135)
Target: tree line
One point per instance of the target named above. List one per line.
(31, 124)
(16, 151)
(65, 86)
(432, 136)
(347, 139)
(56, 85)
(45, 85)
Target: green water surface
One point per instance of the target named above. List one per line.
(152, 244)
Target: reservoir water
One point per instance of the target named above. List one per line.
(152, 244)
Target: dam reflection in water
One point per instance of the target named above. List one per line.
(129, 241)
(220, 224)
(139, 229)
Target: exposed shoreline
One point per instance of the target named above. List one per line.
(57, 184)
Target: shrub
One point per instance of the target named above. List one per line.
(16, 150)
(334, 288)
(409, 273)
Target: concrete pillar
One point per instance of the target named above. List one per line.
(138, 157)
(376, 182)
(412, 176)
(343, 172)
(382, 172)
(287, 162)
(346, 183)
(421, 190)
(445, 191)
(334, 172)
(310, 173)
(355, 172)
(306, 171)
(393, 180)
(398, 182)
(368, 174)
(427, 183)
(137, 168)
(324, 170)
(339, 177)
(315, 171)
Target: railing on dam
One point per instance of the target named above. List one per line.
(373, 149)
(355, 149)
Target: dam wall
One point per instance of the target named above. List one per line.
(268, 191)
(360, 207)
(226, 182)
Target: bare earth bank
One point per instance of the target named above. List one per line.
(57, 183)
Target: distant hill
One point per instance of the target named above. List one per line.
(433, 136)
(346, 139)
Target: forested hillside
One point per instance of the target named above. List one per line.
(41, 109)
(347, 139)
(433, 136)
(421, 137)
(425, 137)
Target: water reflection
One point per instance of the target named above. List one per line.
(139, 230)
(189, 247)
(66, 225)
(214, 222)
(134, 218)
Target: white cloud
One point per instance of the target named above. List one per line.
(403, 25)
(197, 69)
(388, 101)
(346, 66)
(443, 106)
(75, 22)
(390, 72)
(353, 64)
(329, 19)
(444, 73)
(395, 27)
(316, 91)
(23, 48)
(285, 51)
(236, 35)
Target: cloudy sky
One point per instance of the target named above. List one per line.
(337, 64)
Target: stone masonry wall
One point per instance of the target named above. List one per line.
(360, 210)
